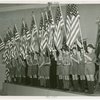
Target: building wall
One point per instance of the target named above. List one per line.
(88, 16)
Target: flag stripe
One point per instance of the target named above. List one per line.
(73, 29)
(75, 35)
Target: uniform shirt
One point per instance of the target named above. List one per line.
(47, 60)
(29, 60)
(59, 60)
(89, 64)
(92, 56)
(66, 59)
(13, 62)
(82, 59)
(75, 62)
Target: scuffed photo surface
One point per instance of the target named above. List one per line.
(49, 49)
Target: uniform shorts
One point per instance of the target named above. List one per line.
(66, 70)
(90, 69)
(81, 69)
(59, 70)
(74, 69)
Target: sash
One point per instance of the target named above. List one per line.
(74, 59)
(89, 58)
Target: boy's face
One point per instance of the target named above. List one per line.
(74, 51)
(63, 51)
(67, 52)
(82, 51)
(90, 50)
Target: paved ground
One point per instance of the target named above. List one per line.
(44, 92)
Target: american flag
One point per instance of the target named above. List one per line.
(97, 46)
(5, 61)
(6, 49)
(12, 43)
(16, 33)
(74, 29)
(25, 31)
(11, 35)
(5, 58)
(34, 35)
(1, 44)
(51, 28)
(28, 35)
(41, 24)
(8, 44)
(85, 44)
(4, 55)
(44, 39)
(68, 20)
(59, 24)
(24, 38)
(16, 38)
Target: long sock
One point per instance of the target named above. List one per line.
(44, 82)
(47, 83)
(61, 84)
(34, 81)
(30, 81)
(83, 85)
(66, 84)
(71, 86)
(91, 87)
(19, 80)
(38, 82)
(41, 80)
(57, 81)
(76, 85)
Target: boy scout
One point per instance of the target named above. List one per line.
(60, 70)
(66, 66)
(35, 69)
(90, 59)
(53, 69)
(82, 69)
(30, 65)
(40, 70)
(74, 68)
(46, 70)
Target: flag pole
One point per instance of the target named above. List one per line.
(49, 6)
(82, 44)
(37, 35)
(65, 28)
(98, 80)
(63, 19)
(81, 37)
(36, 28)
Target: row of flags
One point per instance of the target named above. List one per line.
(97, 51)
(51, 34)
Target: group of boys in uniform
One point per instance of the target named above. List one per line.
(64, 69)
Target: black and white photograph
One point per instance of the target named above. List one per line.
(50, 49)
